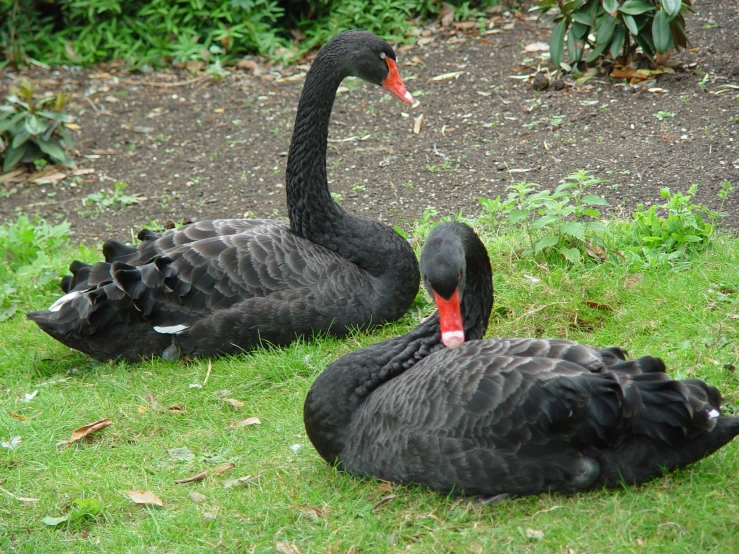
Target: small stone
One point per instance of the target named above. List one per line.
(541, 81)
(557, 84)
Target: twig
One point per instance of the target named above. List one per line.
(94, 107)
(21, 498)
(207, 374)
(167, 85)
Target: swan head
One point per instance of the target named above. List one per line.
(443, 270)
(367, 56)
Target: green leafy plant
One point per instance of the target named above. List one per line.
(154, 32)
(104, 199)
(564, 223)
(28, 258)
(617, 27)
(670, 232)
(31, 129)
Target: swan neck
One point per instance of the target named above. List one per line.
(309, 201)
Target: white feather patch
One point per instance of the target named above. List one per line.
(171, 329)
(713, 414)
(56, 306)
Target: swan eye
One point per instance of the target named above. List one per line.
(382, 55)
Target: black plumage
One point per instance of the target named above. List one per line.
(504, 416)
(225, 286)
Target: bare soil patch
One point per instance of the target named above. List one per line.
(190, 148)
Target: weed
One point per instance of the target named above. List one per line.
(560, 224)
(652, 239)
(661, 115)
(105, 199)
(28, 259)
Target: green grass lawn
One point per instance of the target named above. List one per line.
(171, 421)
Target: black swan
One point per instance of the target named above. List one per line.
(503, 417)
(224, 286)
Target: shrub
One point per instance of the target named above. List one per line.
(31, 129)
(154, 31)
(618, 27)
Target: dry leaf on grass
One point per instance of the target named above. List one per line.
(534, 534)
(384, 500)
(598, 306)
(632, 280)
(13, 443)
(144, 497)
(235, 404)
(285, 548)
(19, 416)
(177, 409)
(197, 497)
(245, 423)
(86, 430)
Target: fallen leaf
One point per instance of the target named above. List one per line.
(72, 126)
(19, 416)
(194, 479)
(197, 497)
(50, 178)
(465, 25)
(111, 99)
(143, 409)
(209, 516)
(384, 500)
(639, 541)
(13, 443)
(87, 430)
(537, 47)
(598, 306)
(223, 468)
(83, 171)
(534, 534)
(219, 110)
(245, 423)
(246, 65)
(54, 521)
(144, 497)
(417, 121)
(240, 481)
(29, 396)
(632, 280)
(385, 487)
(447, 14)
(235, 404)
(425, 40)
(177, 409)
(285, 548)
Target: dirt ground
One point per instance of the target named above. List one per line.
(192, 148)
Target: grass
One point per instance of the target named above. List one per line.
(292, 501)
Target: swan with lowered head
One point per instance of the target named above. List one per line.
(440, 407)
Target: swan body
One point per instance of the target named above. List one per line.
(509, 416)
(227, 286)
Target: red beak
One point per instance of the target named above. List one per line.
(394, 84)
(450, 320)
